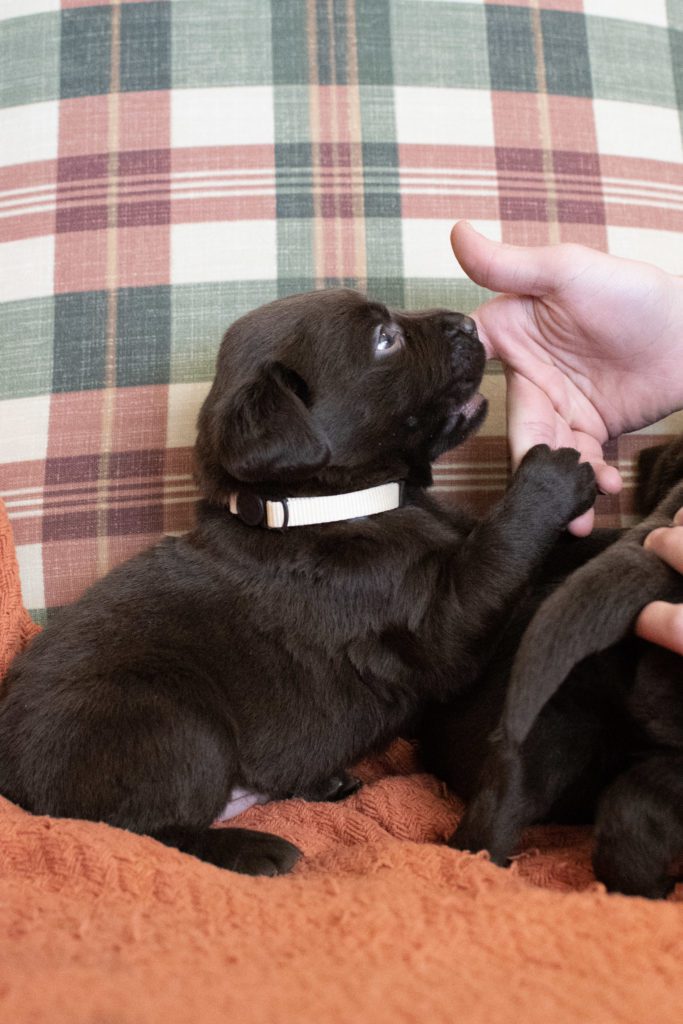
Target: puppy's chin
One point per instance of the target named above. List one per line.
(463, 420)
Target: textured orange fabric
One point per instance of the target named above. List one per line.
(16, 627)
(379, 923)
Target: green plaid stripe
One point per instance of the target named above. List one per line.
(195, 43)
(618, 69)
(29, 58)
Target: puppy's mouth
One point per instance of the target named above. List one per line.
(467, 416)
(463, 419)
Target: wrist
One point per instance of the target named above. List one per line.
(670, 342)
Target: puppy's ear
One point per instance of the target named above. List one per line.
(267, 432)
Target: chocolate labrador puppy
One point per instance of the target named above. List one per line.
(590, 719)
(321, 597)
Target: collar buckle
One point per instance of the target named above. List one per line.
(254, 510)
(250, 508)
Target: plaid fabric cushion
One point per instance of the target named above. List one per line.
(165, 166)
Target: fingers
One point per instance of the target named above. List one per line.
(667, 542)
(607, 478)
(583, 525)
(660, 622)
(532, 419)
(506, 268)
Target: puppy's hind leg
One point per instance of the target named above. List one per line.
(237, 849)
(521, 785)
(165, 770)
(192, 799)
(639, 828)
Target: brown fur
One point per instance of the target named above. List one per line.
(590, 719)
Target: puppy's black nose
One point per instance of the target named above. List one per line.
(458, 323)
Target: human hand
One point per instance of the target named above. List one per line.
(592, 344)
(661, 622)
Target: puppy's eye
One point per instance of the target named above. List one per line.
(387, 339)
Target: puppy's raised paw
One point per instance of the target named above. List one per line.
(560, 481)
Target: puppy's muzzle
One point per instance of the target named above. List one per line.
(468, 360)
(467, 356)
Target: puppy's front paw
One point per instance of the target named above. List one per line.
(331, 790)
(562, 486)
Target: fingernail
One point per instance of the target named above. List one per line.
(648, 540)
(678, 518)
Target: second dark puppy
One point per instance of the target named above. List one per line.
(320, 599)
(590, 719)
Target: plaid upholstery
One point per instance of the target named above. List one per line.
(165, 166)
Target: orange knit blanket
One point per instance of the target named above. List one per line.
(378, 923)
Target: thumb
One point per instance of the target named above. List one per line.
(505, 268)
(662, 623)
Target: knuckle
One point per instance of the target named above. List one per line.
(667, 543)
(663, 540)
(569, 253)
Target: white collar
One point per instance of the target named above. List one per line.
(332, 508)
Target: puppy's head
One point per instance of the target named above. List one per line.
(328, 391)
